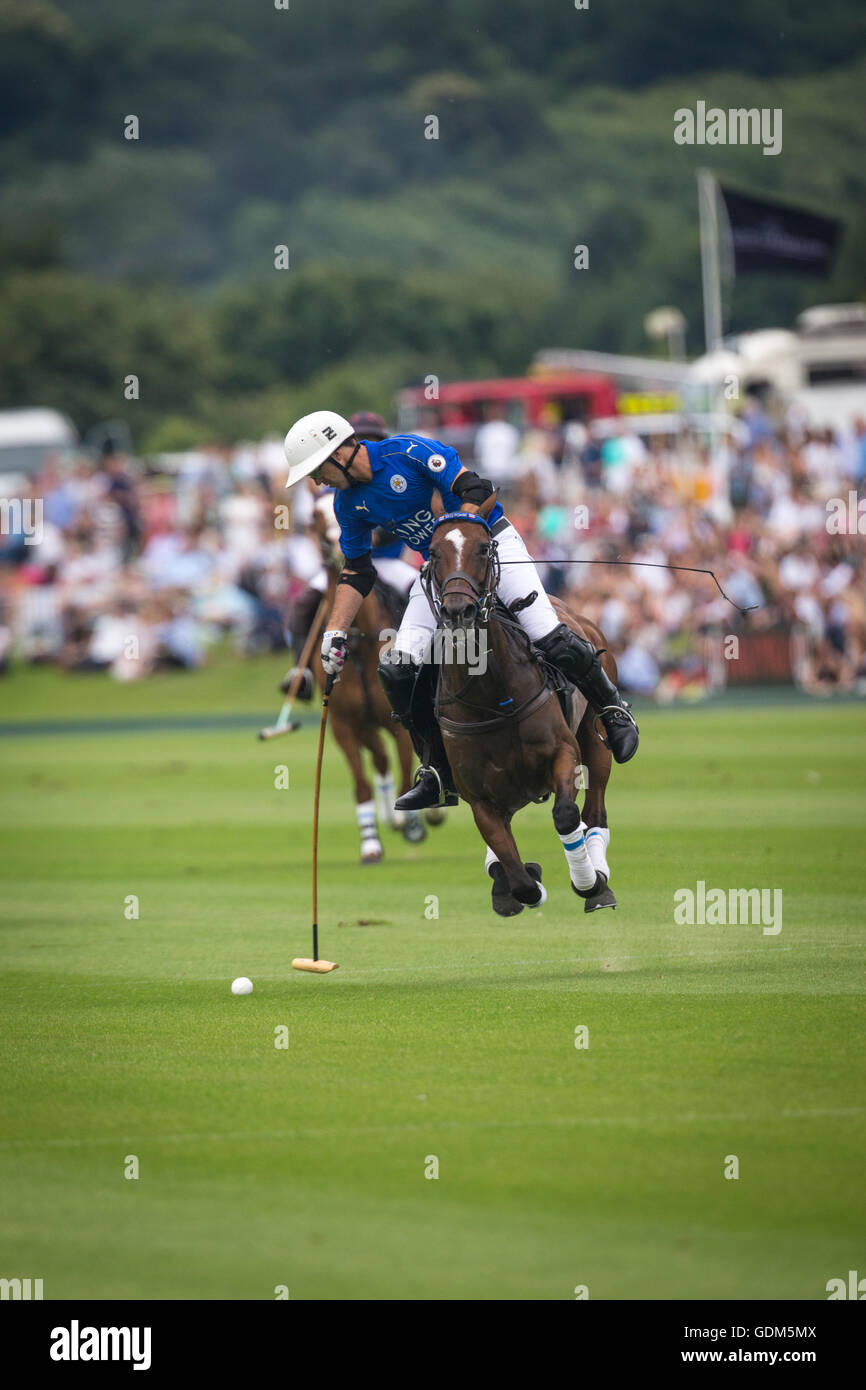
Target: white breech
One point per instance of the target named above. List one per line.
(396, 572)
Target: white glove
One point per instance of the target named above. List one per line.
(334, 646)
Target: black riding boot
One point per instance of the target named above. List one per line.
(410, 693)
(580, 662)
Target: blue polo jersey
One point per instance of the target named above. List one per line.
(406, 470)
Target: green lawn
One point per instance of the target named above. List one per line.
(451, 1037)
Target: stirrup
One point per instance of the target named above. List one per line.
(445, 797)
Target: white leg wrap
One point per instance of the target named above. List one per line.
(384, 793)
(580, 866)
(371, 845)
(489, 858)
(542, 900)
(597, 841)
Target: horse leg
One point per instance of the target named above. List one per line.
(595, 813)
(585, 878)
(598, 765)
(410, 822)
(365, 810)
(384, 791)
(515, 885)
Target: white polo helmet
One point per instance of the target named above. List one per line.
(311, 440)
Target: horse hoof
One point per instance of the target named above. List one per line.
(437, 815)
(603, 899)
(595, 891)
(414, 829)
(535, 871)
(372, 852)
(504, 902)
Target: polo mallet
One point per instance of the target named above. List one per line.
(285, 724)
(318, 967)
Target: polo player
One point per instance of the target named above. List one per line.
(390, 483)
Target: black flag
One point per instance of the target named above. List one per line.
(775, 237)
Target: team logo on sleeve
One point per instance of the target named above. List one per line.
(398, 482)
(436, 463)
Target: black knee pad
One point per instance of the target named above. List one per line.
(572, 654)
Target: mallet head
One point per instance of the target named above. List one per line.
(277, 730)
(317, 967)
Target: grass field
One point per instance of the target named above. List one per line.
(451, 1037)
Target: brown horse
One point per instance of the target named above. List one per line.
(508, 741)
(359, 710)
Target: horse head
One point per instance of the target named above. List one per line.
(463, 569)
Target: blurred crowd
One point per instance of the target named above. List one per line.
(143, 565)
(760, 507)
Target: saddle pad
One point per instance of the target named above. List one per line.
(393, 602)
(576, 708)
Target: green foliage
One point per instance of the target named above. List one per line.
(176, 433)
(306, 128)
(70, 342)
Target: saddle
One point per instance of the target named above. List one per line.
(565, 691)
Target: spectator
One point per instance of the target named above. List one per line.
(173, 560)
(496, 445)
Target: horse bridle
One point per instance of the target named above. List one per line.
(483, 595)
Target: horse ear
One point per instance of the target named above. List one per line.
(488, 504)
(437, 506)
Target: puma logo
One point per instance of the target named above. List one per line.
(361, 507)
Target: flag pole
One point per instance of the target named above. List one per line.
(710, 273)
(708, 208)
